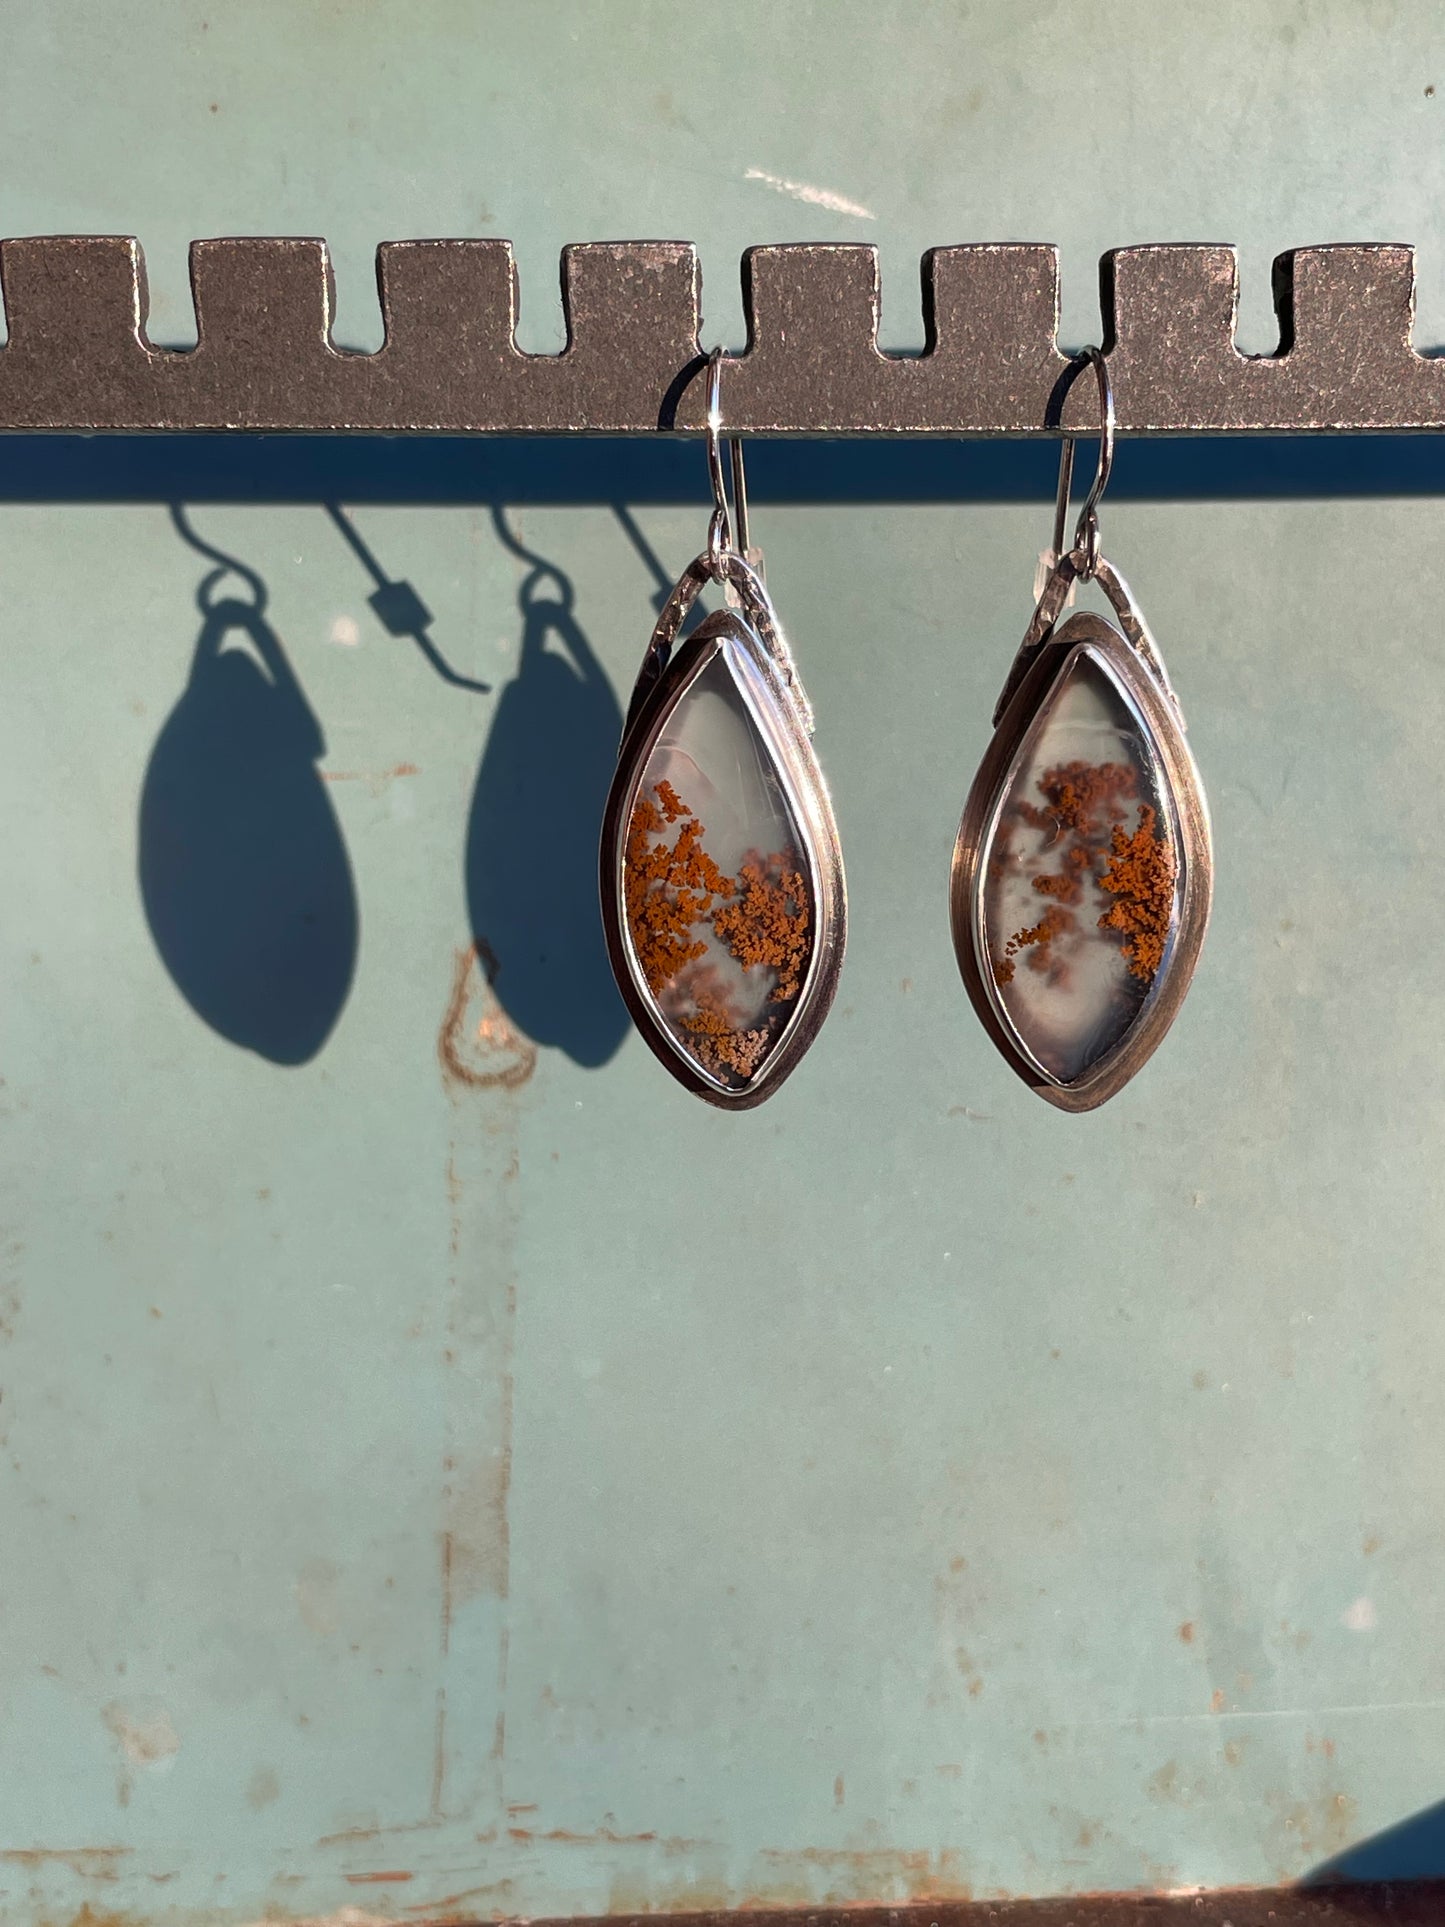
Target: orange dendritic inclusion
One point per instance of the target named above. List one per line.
(1133, 872)
(678, 901)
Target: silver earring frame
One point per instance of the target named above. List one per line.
(1132, 659)
(781, 711)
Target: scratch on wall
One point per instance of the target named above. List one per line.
(811, 196)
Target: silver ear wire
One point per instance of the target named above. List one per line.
(725, 519)
(1086, 530)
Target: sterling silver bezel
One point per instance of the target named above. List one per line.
(759, 660)
(1046, 656)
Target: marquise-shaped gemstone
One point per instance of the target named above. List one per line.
(718, 887)
(1082, 875)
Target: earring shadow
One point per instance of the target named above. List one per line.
(243, 872)
(531, 852)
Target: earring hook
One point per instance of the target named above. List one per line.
(229, 564)
(1086, 529)
(542, 569)
(720, 526)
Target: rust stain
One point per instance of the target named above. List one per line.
(317, 1592)
(608, 1836)
(631, 1893)
(89, 1863)
(451, 1906)
(707, 1893)
(476, 1544)
(1371, 1544)
(264, 1789)
(1217, 1700)
(145, 1735)
(1310, 1830)
(839, 1876)
(1186, 1632)
(969, 1671)
(88, 1916)
(1162, 1875)
(439, 1754)
(838, 1791)
(377, 781)
(454, 1198)
(376, 1879)
(479, 1047)
(446, 1588)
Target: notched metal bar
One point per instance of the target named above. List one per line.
(78, 357)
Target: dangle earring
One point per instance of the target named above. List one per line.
(722, 880)
(1083, 869)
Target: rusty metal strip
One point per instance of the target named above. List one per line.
(78, 357)
(1398, 1903)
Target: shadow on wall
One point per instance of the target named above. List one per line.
(1412, 1851)
(531, 854)
(243, 872)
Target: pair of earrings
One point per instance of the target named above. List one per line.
(1081, 875)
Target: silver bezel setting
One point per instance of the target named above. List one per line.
(758, 659)
(1046, 656)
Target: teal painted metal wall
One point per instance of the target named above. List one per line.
(460, 1473)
